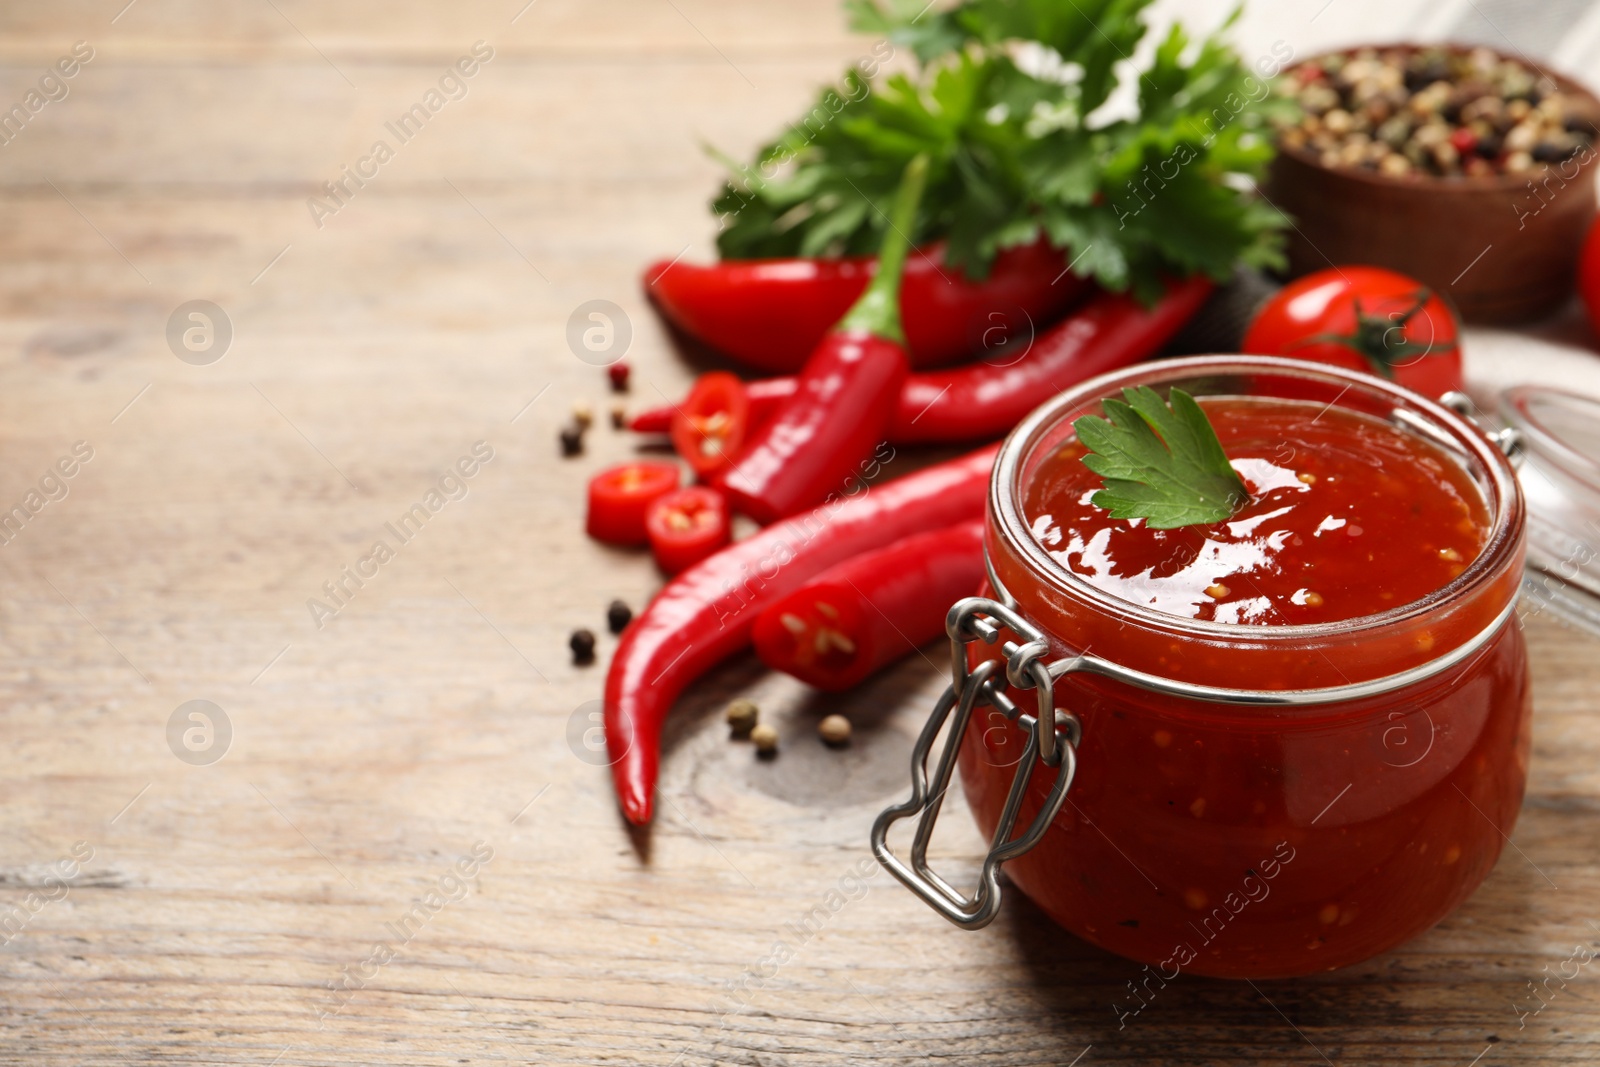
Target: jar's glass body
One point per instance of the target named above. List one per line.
(1249, 841)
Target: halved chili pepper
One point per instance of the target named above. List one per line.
(686, 526)
(763, 397)
(842, 404)
(709, 427)
(871, 610)
(620, 496)
(770, 314)
(706, 613)
(987, 399)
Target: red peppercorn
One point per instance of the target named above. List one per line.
(1464, 140)
(618, 372)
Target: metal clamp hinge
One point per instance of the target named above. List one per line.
(1508, 439)
(1052, 740)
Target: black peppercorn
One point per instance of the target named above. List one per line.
(1552, 152)
(618, 615)
(1438, 111)
(571, 441)
(582, 644)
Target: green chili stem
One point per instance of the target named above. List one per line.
(878, 310)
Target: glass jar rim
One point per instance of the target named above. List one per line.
(1442, 427)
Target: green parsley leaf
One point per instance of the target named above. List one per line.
(1009, 101)
(1161, 464)
(929, 36)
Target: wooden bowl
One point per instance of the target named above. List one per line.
(1503, 249)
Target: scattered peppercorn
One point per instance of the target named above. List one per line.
(582, 644)
(618, 615)
(582, 415)
(571, 441)
(618, 373)
(619, 417)
(1433, 111)
(834, 730)
(742, 716)
(766, 740)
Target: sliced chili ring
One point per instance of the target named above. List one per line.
(709, 427)
(620, 497)
(686, 526)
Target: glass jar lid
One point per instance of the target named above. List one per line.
(1560, 476)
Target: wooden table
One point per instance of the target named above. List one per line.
(212, 906)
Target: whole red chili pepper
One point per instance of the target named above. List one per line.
(845, 396)
(770, 314)
(869, 611)
(706, 613)
(987, 399)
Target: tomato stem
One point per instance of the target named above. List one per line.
(1370, 338)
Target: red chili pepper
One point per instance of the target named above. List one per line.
(770, 314)
(686, 526)
(764, 397)
(619, 497)
(840, 411)
(706, 613)
(987, 399)
(869, 611)
(842, 404)
(709, 428)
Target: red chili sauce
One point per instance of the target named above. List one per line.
(1250, 841)
(1348, 516)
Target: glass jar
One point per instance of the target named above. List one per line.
(1223, 799)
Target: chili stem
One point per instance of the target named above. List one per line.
(878, 310)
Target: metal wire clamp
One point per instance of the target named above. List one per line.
(1052, 740)
(1053, 736)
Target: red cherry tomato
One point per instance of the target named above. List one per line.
(1363, 318)
(1589, 275)
(620, 496)
(709, 428)
(686, 526)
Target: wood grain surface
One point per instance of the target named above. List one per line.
(177, 911)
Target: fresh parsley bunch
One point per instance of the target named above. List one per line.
(1006, 101)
